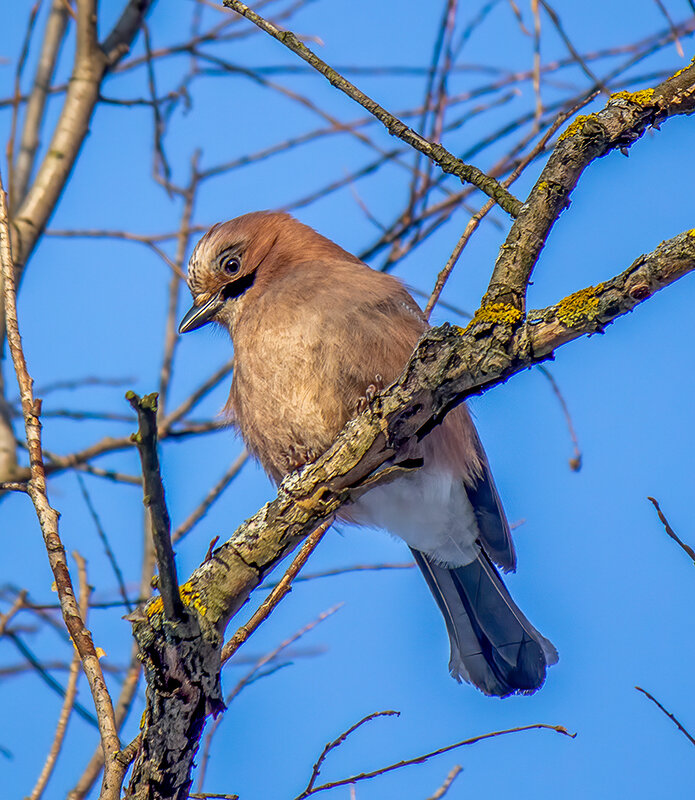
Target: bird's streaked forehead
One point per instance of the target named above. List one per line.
(239, 231)
(270, 238)
(201, 259)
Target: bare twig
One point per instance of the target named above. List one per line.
(21, 61)
(685, 733)
(537, 61)
(270, 603)
(56, 25)
(212, 796)
(47, 516)
(105, 541)
(170, 337)
(446, 161)
(15, 608)
(667, 17)
(250, 677)
(421, 759)
(476, 219)
(70, 691)
(42, 672)
(195, 397)
(128, 690)
(576, 461)
(550, 11)
(669, 530)
(336, 743)
(444, 788)
(330, 573)
(212, 496)
(12, 486)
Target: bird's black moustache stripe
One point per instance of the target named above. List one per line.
(236, 288)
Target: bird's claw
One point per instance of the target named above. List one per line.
(370, 393)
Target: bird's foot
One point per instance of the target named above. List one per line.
(297, 457)
(370, 392)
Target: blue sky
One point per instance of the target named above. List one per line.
(596, 574)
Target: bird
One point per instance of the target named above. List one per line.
(316, 333)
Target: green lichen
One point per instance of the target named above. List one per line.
(497, 314)
(575, 127)
(580, 307)
(641, 98)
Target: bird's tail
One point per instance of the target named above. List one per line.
(493, 645)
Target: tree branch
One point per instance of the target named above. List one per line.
(623, 121)
(39, 201)
(90, 68)
(54, 34)
(70, 691)
(363, 776)
(48, 516)
(448, 365)
(685, 733)
(158, 515)
(440, 155)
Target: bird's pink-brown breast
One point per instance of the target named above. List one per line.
(307, 345)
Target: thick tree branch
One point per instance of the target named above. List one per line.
(91, 65)
(623, 121)
(54, 34)
(180, 651)
(158, 515)
(448, 365)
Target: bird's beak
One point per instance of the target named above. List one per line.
(198, 316)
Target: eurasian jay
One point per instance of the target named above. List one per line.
(315, 331)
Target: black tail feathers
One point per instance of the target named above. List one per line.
(493, 645)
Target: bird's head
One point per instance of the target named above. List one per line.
(225, 265)
(234, 261)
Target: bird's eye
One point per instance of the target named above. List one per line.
(231, 265)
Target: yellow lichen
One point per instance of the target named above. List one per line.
(191, 597)
(497, 313)
(542, 186)
(641, 98)
(575, 127)
(156, 606)
(691, 232)
(579, 307)
(681, 71)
